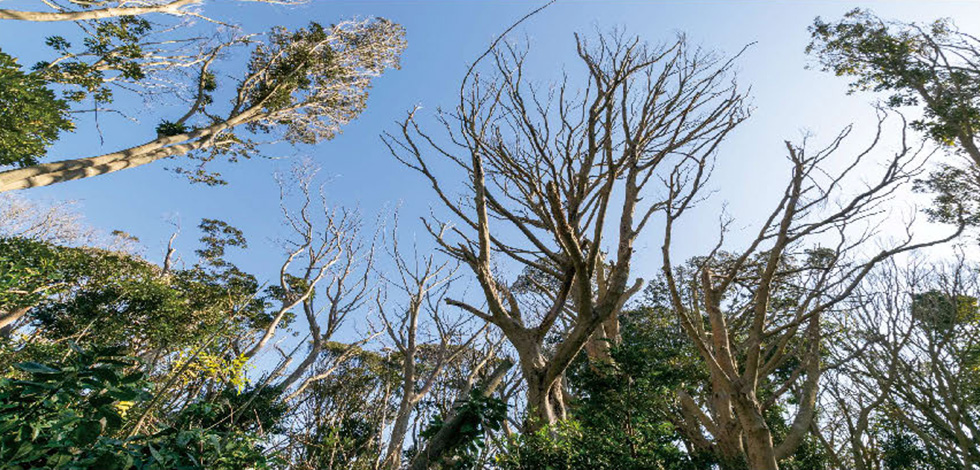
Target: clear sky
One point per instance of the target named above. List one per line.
(443, 38)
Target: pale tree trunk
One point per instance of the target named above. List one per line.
(728, 434)
(966, 141)
(545, 401)
(399, 430)
(170, 8)
(759, 451)
(744, 343)
(67, 170)
(605, 337)
(409, 399)
(8, 318)
(560, 195)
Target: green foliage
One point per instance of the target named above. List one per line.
(939, 312)
(324, 69)
(73, 415)
(902, 450)
(101, 299)
(167, 128)
(31, 117)
(555, 447)
(956, 194)
(98, 297)
(898, 58)
(218, 236)
(623, 407)
(476, 417)
(340, 418)
(63, 416)
(117, 299)
(112, 49)
(291, 70)
(346, 444)
(931, 65)
(27, 270)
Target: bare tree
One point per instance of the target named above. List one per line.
(424, 282)
(758, 312)
(433, 449)
(864, 340)
(923, 318)
(56, 222)
(557, 183)
(325, 275)
(303, 85)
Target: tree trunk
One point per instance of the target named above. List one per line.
(8, 318)
(67, 170)
(393, 456)
(172, 8)
(759, 451)
(545, 402)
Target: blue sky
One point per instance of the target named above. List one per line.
(443, 38)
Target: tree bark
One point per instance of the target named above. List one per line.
(7, 318)
(759, 451)
(67, 170)
(170, 8)
(399, 431)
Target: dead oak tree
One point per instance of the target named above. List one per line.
(917, 327)
(558, 182)
(324, 278)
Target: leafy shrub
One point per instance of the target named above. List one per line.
(76, 414)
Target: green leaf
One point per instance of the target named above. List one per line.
(87, 432)
(36, 368)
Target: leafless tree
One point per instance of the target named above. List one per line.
(558, 183)
(326, 275)
(433, 449)
(759, 311)
(919, 322)
(423, 282)
(864, 340)
(55, 223)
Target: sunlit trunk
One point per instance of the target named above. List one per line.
(759, 451)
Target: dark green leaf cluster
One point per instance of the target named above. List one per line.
(956, 194)
(111, 51)
(939, 312)
(62, 416)
(623, 408)
(908, 61)
(934, 66)
(100, 297)
(476, 417)
(31, 117)
(76, 414)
